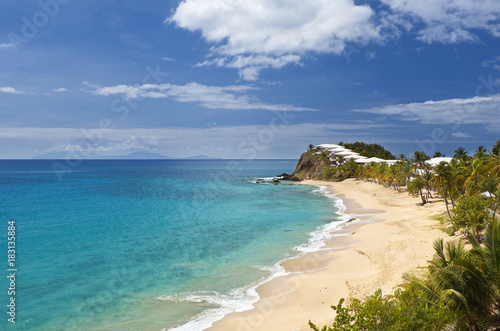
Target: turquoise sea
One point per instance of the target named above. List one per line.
(149, 244)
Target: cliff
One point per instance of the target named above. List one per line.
(313, 166)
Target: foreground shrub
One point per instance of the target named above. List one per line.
(405, 310)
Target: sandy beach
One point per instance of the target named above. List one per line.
(394, 234)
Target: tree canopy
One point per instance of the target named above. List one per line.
(369, 150)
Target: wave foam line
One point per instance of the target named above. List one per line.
(243, 298)
(238, 300)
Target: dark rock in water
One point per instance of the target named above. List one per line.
(276, 180)
(273, 181)
(285, 176)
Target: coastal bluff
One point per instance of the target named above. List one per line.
(311, 165)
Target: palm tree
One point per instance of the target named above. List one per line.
(310, 147)
(438, 154)
(460, 154)
(457, 282)
(488, 256)
(455, 180)
(496, 148)
(419, 159)
(493, 167)
(481, 152)
(427, 176)
(441, 179)
(416, 187)
(475, 221)
(496, 204)
(406, 170)
(475, 171)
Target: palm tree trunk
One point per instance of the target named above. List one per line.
(446, 202)
(452, 201)
(429, 191)
(422, 197)
(496, 204)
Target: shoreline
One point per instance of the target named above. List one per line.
(392, 234)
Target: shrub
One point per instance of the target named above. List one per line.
(466, 206)
(405, 310)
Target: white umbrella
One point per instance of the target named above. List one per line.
(487, 195)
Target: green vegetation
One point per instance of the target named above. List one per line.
(404, 310)
(460, 288)
(314, 164)
(369, 150)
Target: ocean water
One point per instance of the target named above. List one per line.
(149, 244)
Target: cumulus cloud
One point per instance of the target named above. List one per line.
(249, 34)
(450, 21)
(212, 97)
(8, 89)
(258, 31)
(476, 110)
(61, 89)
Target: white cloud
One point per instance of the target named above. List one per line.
(8, 89)
(211, 97)
(61, 89)
(223, 141)
(476, 110)
(7, 46)
(250, 66)
(461, 135)
(258, 31)
(450, 21)
(132, 143)
(492, 63)
(169, 59)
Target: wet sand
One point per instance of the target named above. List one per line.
(393, 234)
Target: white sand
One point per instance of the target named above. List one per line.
(376, 256)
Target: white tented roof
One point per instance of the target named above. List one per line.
(438, 160)
(329, 146)
(345, 153)
(375, 159)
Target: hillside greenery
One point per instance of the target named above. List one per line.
(369, 150)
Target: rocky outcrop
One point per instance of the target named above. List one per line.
(311, 165)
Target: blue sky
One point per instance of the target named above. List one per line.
(247, 79)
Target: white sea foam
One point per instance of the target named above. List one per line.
(320, 236)
(237, 300)
(242, 299)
